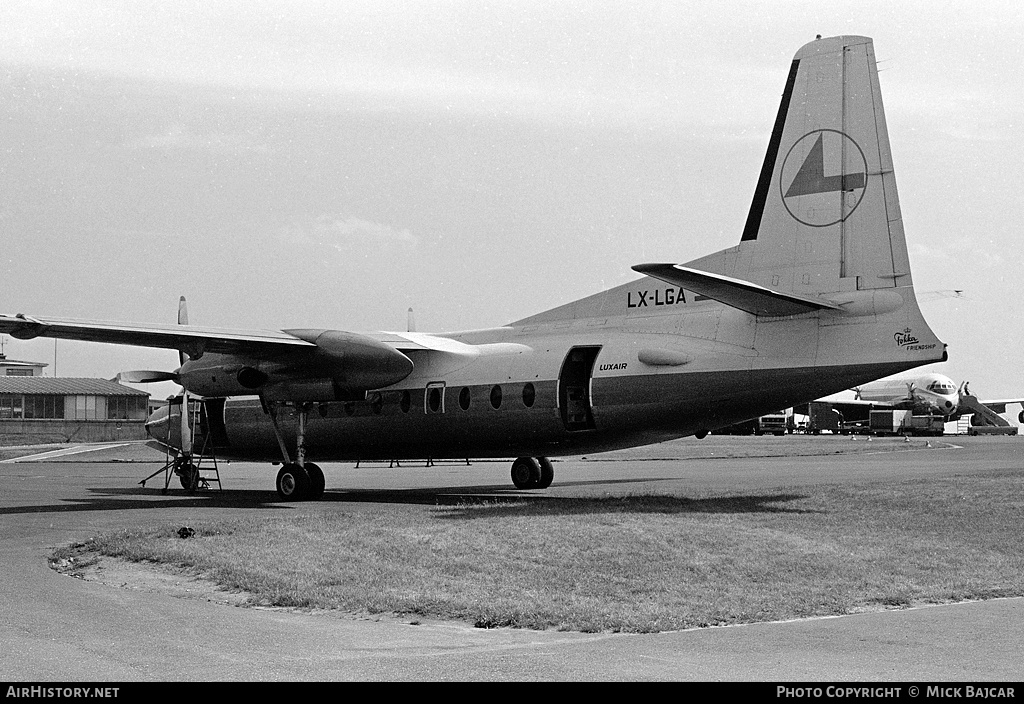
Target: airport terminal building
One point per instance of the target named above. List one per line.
(37, 409)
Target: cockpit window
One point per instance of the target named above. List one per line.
(941, 387)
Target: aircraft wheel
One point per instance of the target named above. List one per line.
(188, 476)
(292, 483)
(547, 473)
(317, 483)
(526, 473)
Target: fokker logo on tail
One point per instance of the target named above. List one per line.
(836, 194)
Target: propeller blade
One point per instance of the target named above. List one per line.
(186, 427)
(182, 320)
(145, 376)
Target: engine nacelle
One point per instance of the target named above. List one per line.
(341, 366)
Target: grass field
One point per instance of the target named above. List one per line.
(633, 564)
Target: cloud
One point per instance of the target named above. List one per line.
(177, 136)
(354, 227)
(345, 233)
(960, 255)
(600, 67)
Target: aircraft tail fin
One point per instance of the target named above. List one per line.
(823, 247)
(825, 216)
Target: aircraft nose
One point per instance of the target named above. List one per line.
(156, 424)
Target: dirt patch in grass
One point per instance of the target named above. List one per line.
(84, 561)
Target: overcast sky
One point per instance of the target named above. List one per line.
(330, 164)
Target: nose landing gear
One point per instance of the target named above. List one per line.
(188, 473)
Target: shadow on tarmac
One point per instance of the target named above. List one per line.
(546, 506)
(485, 500)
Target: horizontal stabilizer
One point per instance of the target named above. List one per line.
(743, 295)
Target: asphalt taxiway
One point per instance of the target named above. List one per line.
(55, 628)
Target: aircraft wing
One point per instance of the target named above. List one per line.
(850, 405)
(737, 293)
(191, 339)
(853, 411)
(194, 339)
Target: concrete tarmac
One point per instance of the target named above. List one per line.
(59, 629)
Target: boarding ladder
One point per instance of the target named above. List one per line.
(203, 463)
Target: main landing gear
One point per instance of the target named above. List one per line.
(297, 480)
(532, 473)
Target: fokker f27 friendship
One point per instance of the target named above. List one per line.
(816, 298)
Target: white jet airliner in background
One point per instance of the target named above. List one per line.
(816, 298)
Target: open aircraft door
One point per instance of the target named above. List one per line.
(574, 382)
(433, 398)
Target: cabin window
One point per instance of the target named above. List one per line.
(496, 396)
(529, 395)
(464, 398)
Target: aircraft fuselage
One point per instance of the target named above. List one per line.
(928, 394)
(555, 390)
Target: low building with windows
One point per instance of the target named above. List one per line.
(15, 367)
(38, 409)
